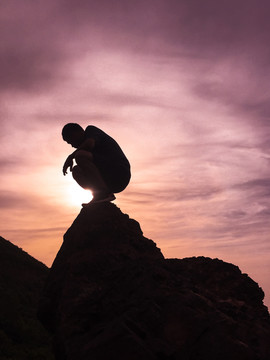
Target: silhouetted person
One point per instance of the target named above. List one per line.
(101, 166)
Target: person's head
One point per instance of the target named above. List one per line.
(73, 134)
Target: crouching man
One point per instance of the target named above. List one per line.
(101, 166)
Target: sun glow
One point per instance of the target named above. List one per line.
(77, 195)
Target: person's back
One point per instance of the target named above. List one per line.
(106, 147)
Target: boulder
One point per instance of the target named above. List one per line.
(111, 294)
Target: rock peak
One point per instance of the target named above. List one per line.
(105, 230)
(111, 294)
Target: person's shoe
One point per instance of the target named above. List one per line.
(100, 198)
(104, 198)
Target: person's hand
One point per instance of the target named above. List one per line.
(68, 164)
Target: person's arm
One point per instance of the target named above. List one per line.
(87, 145)
(68, 164)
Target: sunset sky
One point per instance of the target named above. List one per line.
(183, 87)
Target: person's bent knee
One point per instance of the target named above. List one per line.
(76, 171)
(82, 155)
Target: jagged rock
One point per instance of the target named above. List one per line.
(22, 278)
(112, 295)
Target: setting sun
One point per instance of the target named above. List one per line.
(77, 195)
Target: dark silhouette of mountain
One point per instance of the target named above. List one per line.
(21, 280)
(112, 295)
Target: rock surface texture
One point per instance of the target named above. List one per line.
(112, 295)
(22, 277)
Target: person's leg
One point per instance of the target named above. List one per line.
(88, 176)
(117, 176)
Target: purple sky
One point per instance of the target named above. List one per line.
(182, 86)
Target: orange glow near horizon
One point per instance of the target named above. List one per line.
(76, 195)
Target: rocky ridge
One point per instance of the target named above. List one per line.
(21, 281)
(112, 295)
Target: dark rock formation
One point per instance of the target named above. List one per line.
(22, 278)
(112, 295)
